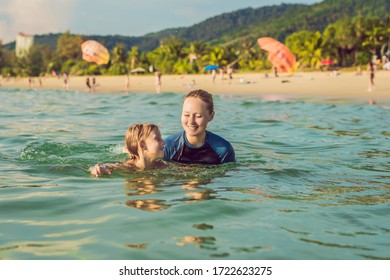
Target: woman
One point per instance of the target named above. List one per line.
(145, 148)
(195, 144)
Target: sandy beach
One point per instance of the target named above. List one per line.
(300, 85)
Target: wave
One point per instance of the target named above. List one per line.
(49, 152)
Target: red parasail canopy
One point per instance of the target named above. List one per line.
(279, 55)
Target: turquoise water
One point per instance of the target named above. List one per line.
(312, 181)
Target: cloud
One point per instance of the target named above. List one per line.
(33, 17)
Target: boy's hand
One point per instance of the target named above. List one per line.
(98, 170)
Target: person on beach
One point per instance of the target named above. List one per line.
(158, 81)
(221, 71)
(94, 84)
(358, 71)
(195, 144)
(371, 72)
(127, 83)
(371, 86)
(65, 81)
(145, 148)
(230, 73)
(88, 84)
(213, 75)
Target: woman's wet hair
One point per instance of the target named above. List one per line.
(204, 96)
(136, 133)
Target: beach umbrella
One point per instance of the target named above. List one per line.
(278, 54)
(327, 62)
(211, 67)
(95, 52)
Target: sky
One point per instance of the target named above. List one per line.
(113, 17)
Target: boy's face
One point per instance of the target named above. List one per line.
(155, 144)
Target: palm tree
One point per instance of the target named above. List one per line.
(195, 52)
(133, 56)
(306, 45)
(68, 47)
(376, 35)
(215, 56)
(359, 27)
(174, 46)
(340, 38)
(119, 60)
(246, 52)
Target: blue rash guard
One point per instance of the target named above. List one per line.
(215, 150)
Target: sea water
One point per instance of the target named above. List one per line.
(312, 181)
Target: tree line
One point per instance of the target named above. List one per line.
(348, 41)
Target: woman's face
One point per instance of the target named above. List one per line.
(195, 117)
(154, 145)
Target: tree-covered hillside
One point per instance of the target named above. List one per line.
(350, 33)
(276, 21)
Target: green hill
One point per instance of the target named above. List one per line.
(276, 21)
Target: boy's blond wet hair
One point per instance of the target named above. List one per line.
(136, 133)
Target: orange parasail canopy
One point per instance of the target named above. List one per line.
(95, 52)
(279, 55)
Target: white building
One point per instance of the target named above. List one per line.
(23, 44)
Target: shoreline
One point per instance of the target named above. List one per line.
(300, 85)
